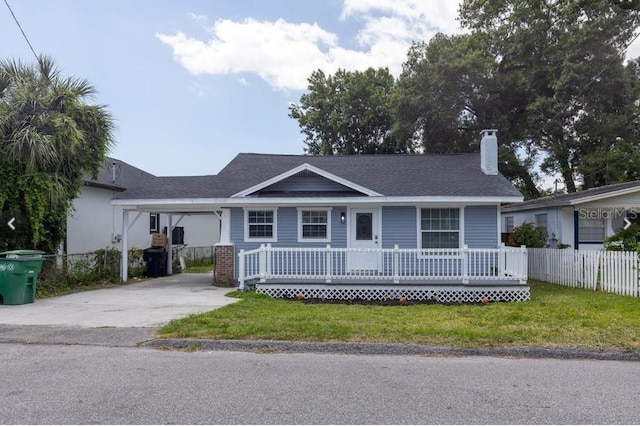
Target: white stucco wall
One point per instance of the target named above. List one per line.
(560, 220)
(94, 223)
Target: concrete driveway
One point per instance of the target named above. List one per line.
(150, 303)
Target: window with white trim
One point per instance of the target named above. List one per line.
(439, 228)
(541, 221)
(260, 225)
(590, 230)
(508, 224)
(314, 225)
(154, 222)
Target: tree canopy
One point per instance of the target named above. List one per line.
(348, 113)
(550, 75)
(50, 138)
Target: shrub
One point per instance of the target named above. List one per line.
(529, 235)
(624, 240)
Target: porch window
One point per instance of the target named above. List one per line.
(591, 230)
(314, 225)
(440, 228)
(260, 225)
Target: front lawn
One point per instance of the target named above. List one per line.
(555, 316)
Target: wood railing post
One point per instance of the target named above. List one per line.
(524, 263)
(396, 264)
(268, 255)
(328, 260)
(502, 260)
(241, 269)
(262, 263)
(465, 264)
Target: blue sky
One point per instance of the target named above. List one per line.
(191, 83)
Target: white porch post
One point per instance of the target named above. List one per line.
(170, 246)
(225, 227)
(225, 252)
(124, 252)
(241, 269)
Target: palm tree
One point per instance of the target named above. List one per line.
(50, 137)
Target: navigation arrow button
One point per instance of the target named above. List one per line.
(627, 223)
(10, 223)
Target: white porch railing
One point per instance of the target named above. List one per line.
(327, 264)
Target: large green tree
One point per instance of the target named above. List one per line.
(449, 91)
(348, 113)
(581, 112)
(50, 138)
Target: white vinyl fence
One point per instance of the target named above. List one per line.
(609, 271)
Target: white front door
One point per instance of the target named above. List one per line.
(364, 234)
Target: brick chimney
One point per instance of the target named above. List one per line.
(489, 152)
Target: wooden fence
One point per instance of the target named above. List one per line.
(609, 271)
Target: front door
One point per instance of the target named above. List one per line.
(364, 234)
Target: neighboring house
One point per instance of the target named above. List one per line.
(96, 224)
(364, 226)
(582, 220)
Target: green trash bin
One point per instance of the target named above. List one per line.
(18, 276)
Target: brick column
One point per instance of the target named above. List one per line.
(225, 257)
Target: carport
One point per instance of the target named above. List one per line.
(175, 197)
(175, 214)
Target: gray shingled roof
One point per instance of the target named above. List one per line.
(126, 176)
(389, 175)
(567, 199)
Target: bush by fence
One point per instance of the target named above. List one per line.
(610, 271)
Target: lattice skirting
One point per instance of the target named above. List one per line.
(441, 294)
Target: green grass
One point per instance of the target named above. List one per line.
(198, 269)
(555, 316)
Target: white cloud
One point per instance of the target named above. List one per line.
(285, 54)
(202, 19)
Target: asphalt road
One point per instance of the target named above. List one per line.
(96, 384)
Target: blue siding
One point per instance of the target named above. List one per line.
(481, 226)
(399, 227)
(287, 231)
(306, 183)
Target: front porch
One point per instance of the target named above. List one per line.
(442, 275)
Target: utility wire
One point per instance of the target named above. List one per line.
(21, 30)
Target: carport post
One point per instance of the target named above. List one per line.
(124, 253)
(169, 244)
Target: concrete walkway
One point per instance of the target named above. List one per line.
(147, 304)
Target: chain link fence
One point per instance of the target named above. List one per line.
(102, 267)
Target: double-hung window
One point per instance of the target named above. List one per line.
(439, 228)
(260, 225)
(314, 225)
